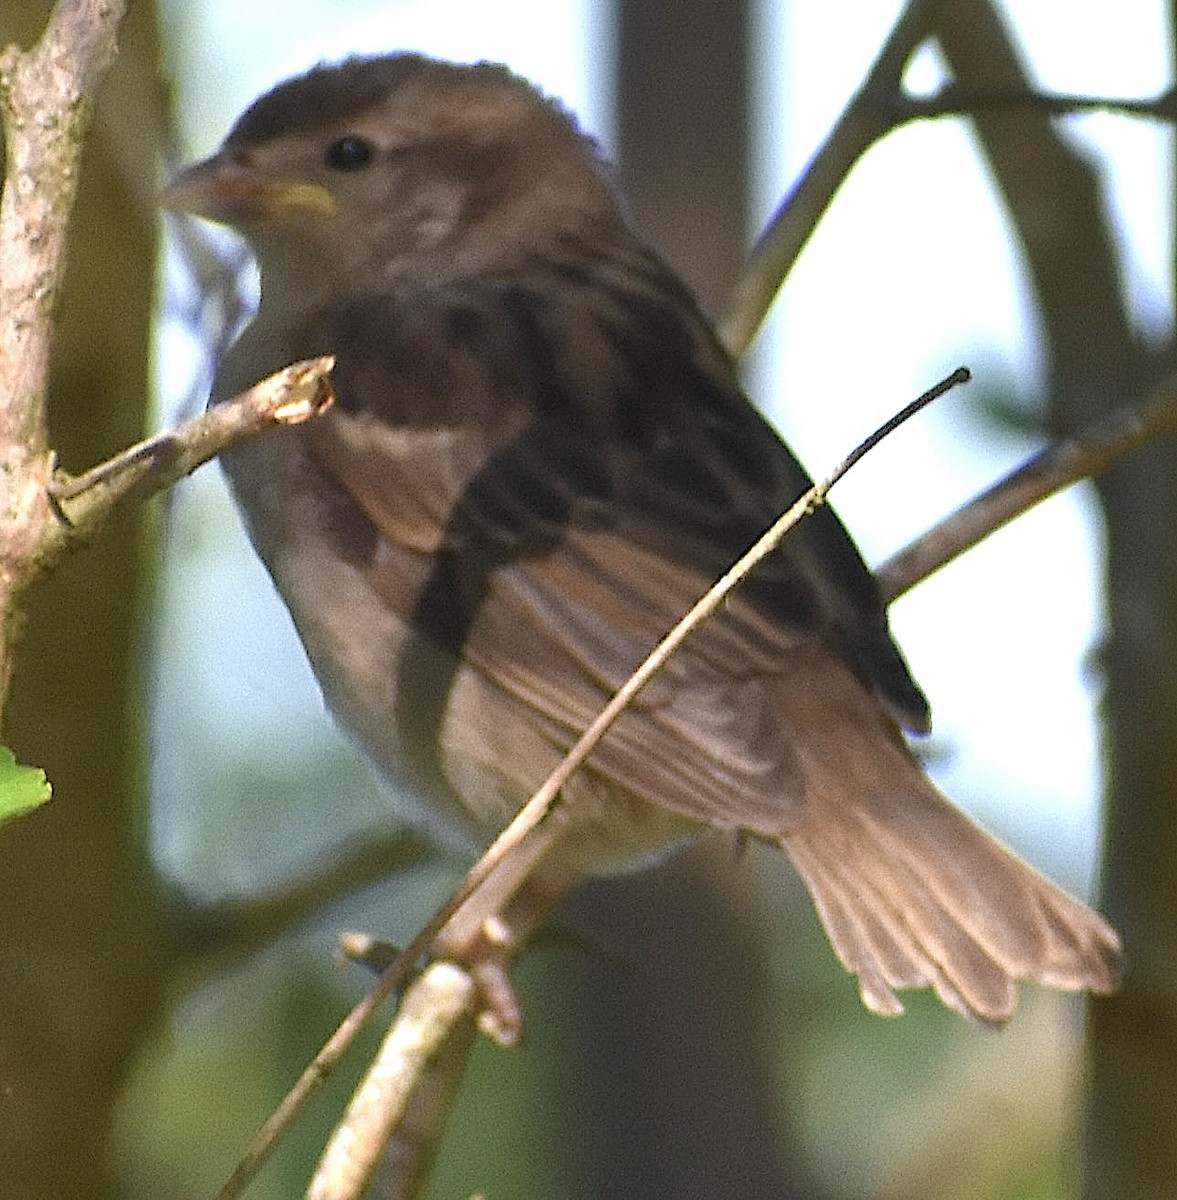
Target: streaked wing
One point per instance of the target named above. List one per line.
(603, 402)
(563, 632)
(758, 724)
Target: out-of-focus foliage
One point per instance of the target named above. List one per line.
(21, 788)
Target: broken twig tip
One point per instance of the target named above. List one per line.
(367, 951)
(313, 373)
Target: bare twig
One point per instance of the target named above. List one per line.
(439, 1001)
(536, 808)
(863, 122)
(880, 106)
(84, 502)
(404, 1169)
(214, 936)
(956, 101)
(1089, 452)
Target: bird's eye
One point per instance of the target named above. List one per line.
(349, 154)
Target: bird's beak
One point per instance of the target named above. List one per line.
(225, 189)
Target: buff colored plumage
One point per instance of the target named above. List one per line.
(539, 458)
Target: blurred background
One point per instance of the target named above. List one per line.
(170, 921)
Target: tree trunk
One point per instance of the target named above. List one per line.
(83, 965)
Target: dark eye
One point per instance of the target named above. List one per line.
(349, 154)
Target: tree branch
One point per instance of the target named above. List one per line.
(956, 101)
(438, 1004)
(85, 502)
(863, 122)
(1088, 453)
(45, 97)
(880, 106)
(216, 936)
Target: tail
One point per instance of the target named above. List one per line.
(913, 894)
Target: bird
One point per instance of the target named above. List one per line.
(540, 455)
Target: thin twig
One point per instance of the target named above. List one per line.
(214, 936)
(880, 106)
(85, 502)
(536, 808)
(955, 101)
(443, 997)
(863, 122)
(1089, 452)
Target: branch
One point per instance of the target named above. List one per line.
(215, 936)
(862, 123)
(45, 98)
(956, 101)
(1093, 361)
(45, 95)
(420, 1047)
(1090, 452)
(85, 502)
(880, 106)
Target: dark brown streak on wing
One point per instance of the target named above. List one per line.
(508, 510)
(726, 477)
(518, 504)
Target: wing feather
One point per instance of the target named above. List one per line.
(760, 723)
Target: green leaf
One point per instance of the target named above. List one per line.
(21, 788)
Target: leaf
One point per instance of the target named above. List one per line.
(21, 788)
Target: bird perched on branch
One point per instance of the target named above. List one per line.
(539, 458)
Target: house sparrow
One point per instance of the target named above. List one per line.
(539, 458)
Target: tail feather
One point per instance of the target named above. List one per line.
(882, 954)
(913, 894)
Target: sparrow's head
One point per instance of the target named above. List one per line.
(397, 167)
